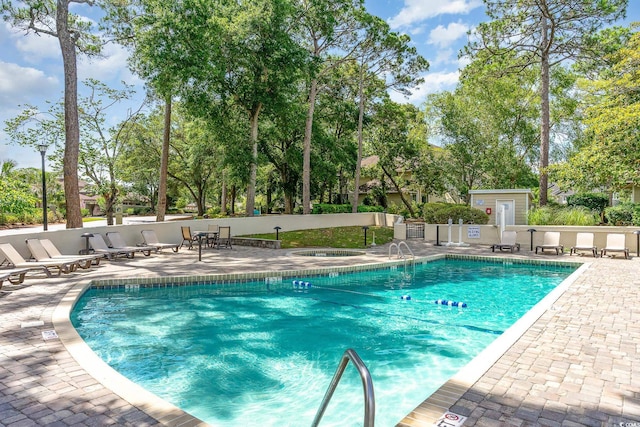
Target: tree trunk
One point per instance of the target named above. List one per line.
(233, 200)
(164, 162)
(223, 198)
(251, 188)
(399, 190)
(356, 190)
(71, 124)
(544, 113)
(306, 154)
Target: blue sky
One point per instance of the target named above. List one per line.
(31, 67)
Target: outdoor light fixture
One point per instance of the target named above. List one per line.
(365, 228)
(43, 150)
(277, 228)
(532, 230)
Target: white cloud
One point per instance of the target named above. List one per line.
(415, 11)
(110, 67)
(433, 82)
(34, 47)
(21, 84)
(444, 57)
(445, 36)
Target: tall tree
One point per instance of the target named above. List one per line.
(385, 60)
(328, 29)
(543, 33)
(73, 33)
(156, 31)
(396, 136)
(102, 145)
(611, 105)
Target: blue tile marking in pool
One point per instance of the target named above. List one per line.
(405, 343)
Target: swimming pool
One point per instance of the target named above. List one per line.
(263, 354)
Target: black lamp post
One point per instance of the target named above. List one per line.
(531, 230)
(637, 233)
(365, 228)
(43, 150)
(277, 228)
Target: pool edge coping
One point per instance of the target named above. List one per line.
(430, 410)
(446, 396)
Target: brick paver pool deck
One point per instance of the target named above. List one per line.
(577, 365)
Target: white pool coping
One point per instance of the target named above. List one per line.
(426, 414)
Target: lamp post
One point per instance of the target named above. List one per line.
(531, 230)
(43, 150)
(277, 228)
(365, 228)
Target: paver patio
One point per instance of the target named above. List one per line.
(577, 365)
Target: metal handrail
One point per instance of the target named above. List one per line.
(367, 385)
(391, 246)
(406, 246)
(399, 247)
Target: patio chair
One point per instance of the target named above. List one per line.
(507, 242)
(150, 239)
(14, 259)
(116, 240)
(99, 246)
(54, 253)
(13, 275)
(187, 237)
(584, 243)
(212, 238)
(551, 240)
(40, 254)
(224, 237)
(615, 243)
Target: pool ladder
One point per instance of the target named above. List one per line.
(367, 385)
(399, 252)
(401, 255)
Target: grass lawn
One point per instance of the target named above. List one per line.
(92, 218)
(338, 237)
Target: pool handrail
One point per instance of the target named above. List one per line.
(367, 385)
(398, 246)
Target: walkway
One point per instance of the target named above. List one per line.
(577, 365)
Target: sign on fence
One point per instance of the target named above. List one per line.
(473, 232)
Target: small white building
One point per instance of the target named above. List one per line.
(514, 202)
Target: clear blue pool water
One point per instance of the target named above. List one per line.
(263, 354)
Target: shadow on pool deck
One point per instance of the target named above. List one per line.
(577, 365)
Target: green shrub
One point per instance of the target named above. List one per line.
(593, 201)
(439, 213)
(547, 215)
(84, 212)
(8, 218)
(623, 214)
(325, 208)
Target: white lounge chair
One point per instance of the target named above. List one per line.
(551, 240)
(13, 275)
(99, 246)
(118, 242)
(150, 239)
(584, 243)
(507, 242)
(40, 254)
(54, 253)
(615, 243)
(13, 257)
